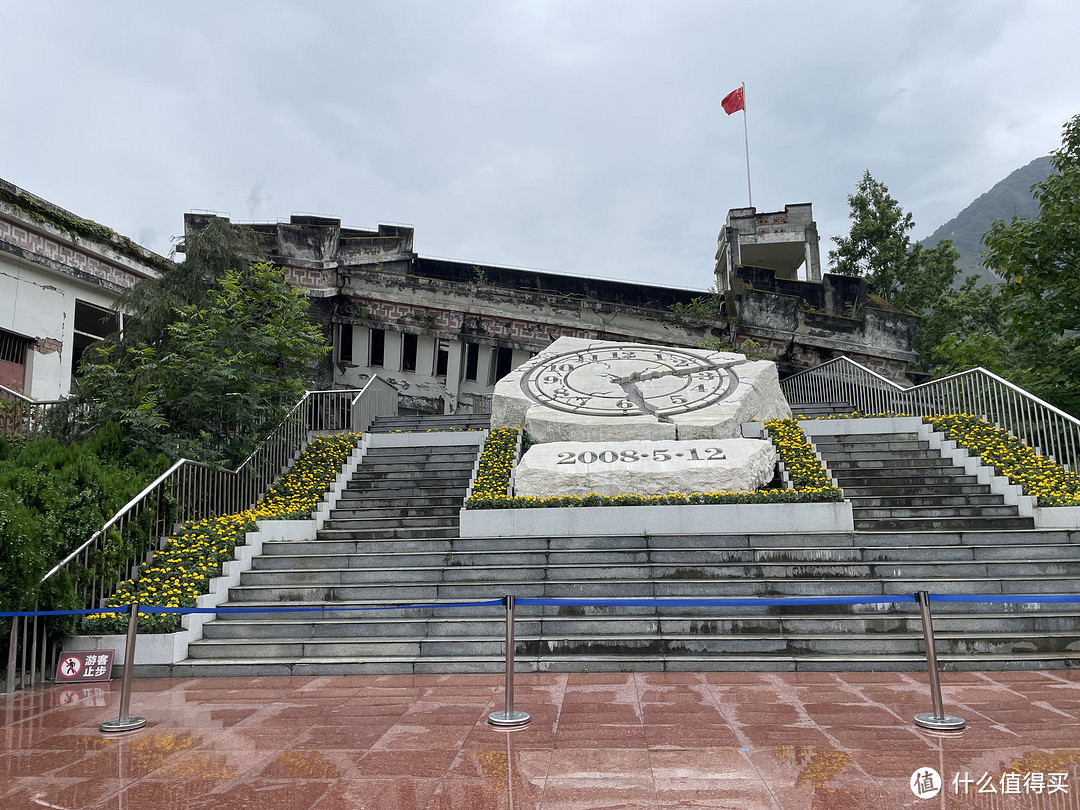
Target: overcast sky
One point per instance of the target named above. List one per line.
(579, 137)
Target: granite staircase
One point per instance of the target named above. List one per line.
(432, 571)
(897, 482)
(392, 541)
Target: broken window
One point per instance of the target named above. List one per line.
(408, 352)
(378, 347)
(472, 360)
(92, 323)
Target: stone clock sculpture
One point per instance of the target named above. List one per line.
(627, 418)
(628, 380)
(581, 390)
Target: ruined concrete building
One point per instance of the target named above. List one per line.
(59, 278)
(442, 332)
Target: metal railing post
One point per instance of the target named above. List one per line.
(508, 717)
(123, 722)
(13, 646)
(938, 720)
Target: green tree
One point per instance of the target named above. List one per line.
(879, 249)
(966, 329)
(223, 376)
(210, 252)
(1039, 263)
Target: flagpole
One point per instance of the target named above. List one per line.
(746, 137)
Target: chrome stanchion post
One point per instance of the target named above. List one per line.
(123, 722)
(938, 720)
(508, 717)
(13, 646)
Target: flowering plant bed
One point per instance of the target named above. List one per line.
(811, 484)
(181, 571)
(1038, 476)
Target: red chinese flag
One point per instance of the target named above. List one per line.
(733, 102)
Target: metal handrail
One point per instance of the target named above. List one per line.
(192, 490)
(1049, 430)
(28, 413)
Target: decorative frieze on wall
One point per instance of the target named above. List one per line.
(65, 258)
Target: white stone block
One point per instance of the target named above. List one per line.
(644, 467)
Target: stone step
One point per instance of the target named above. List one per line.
(350, 546)
(405, 473)
(621, 572)
(451, 509)
(427, 425)
(877, 480)
(894, 467)
(313, 554)
(864, 438)
(942, 524)
(383, 524)
(882, 444)
(870, 454)
(358, 503)
(629, 645)
(932, 501)
(422, 593)
(749, 615)
(247, 668)
(240, 626)
(931, 512)
(401, 489)
(910, 491)
(447, 453)
(388, 533)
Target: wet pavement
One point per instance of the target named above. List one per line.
(596, 740)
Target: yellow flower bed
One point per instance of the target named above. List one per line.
(1037, 475)
(182, 570)
(809, 479)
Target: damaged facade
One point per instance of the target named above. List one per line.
(442, 332)
(59, 278)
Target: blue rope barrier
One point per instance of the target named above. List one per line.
(744, 602)
(1005, 598)
(766, 601)
(319, 609)
(16, 614)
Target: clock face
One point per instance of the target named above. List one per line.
(629, 381)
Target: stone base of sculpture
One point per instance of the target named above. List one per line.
(644, 467)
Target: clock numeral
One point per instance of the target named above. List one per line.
(677, 400)
(551, 378)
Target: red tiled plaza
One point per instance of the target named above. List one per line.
(596, 740)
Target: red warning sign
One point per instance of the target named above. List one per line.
(81, 666)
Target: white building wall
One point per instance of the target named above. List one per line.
(39, 304)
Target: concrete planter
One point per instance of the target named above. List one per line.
(735, 518)
(169, 648)
(158, 649)
(1056, 517)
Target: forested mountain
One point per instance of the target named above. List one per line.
(1011, 197)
